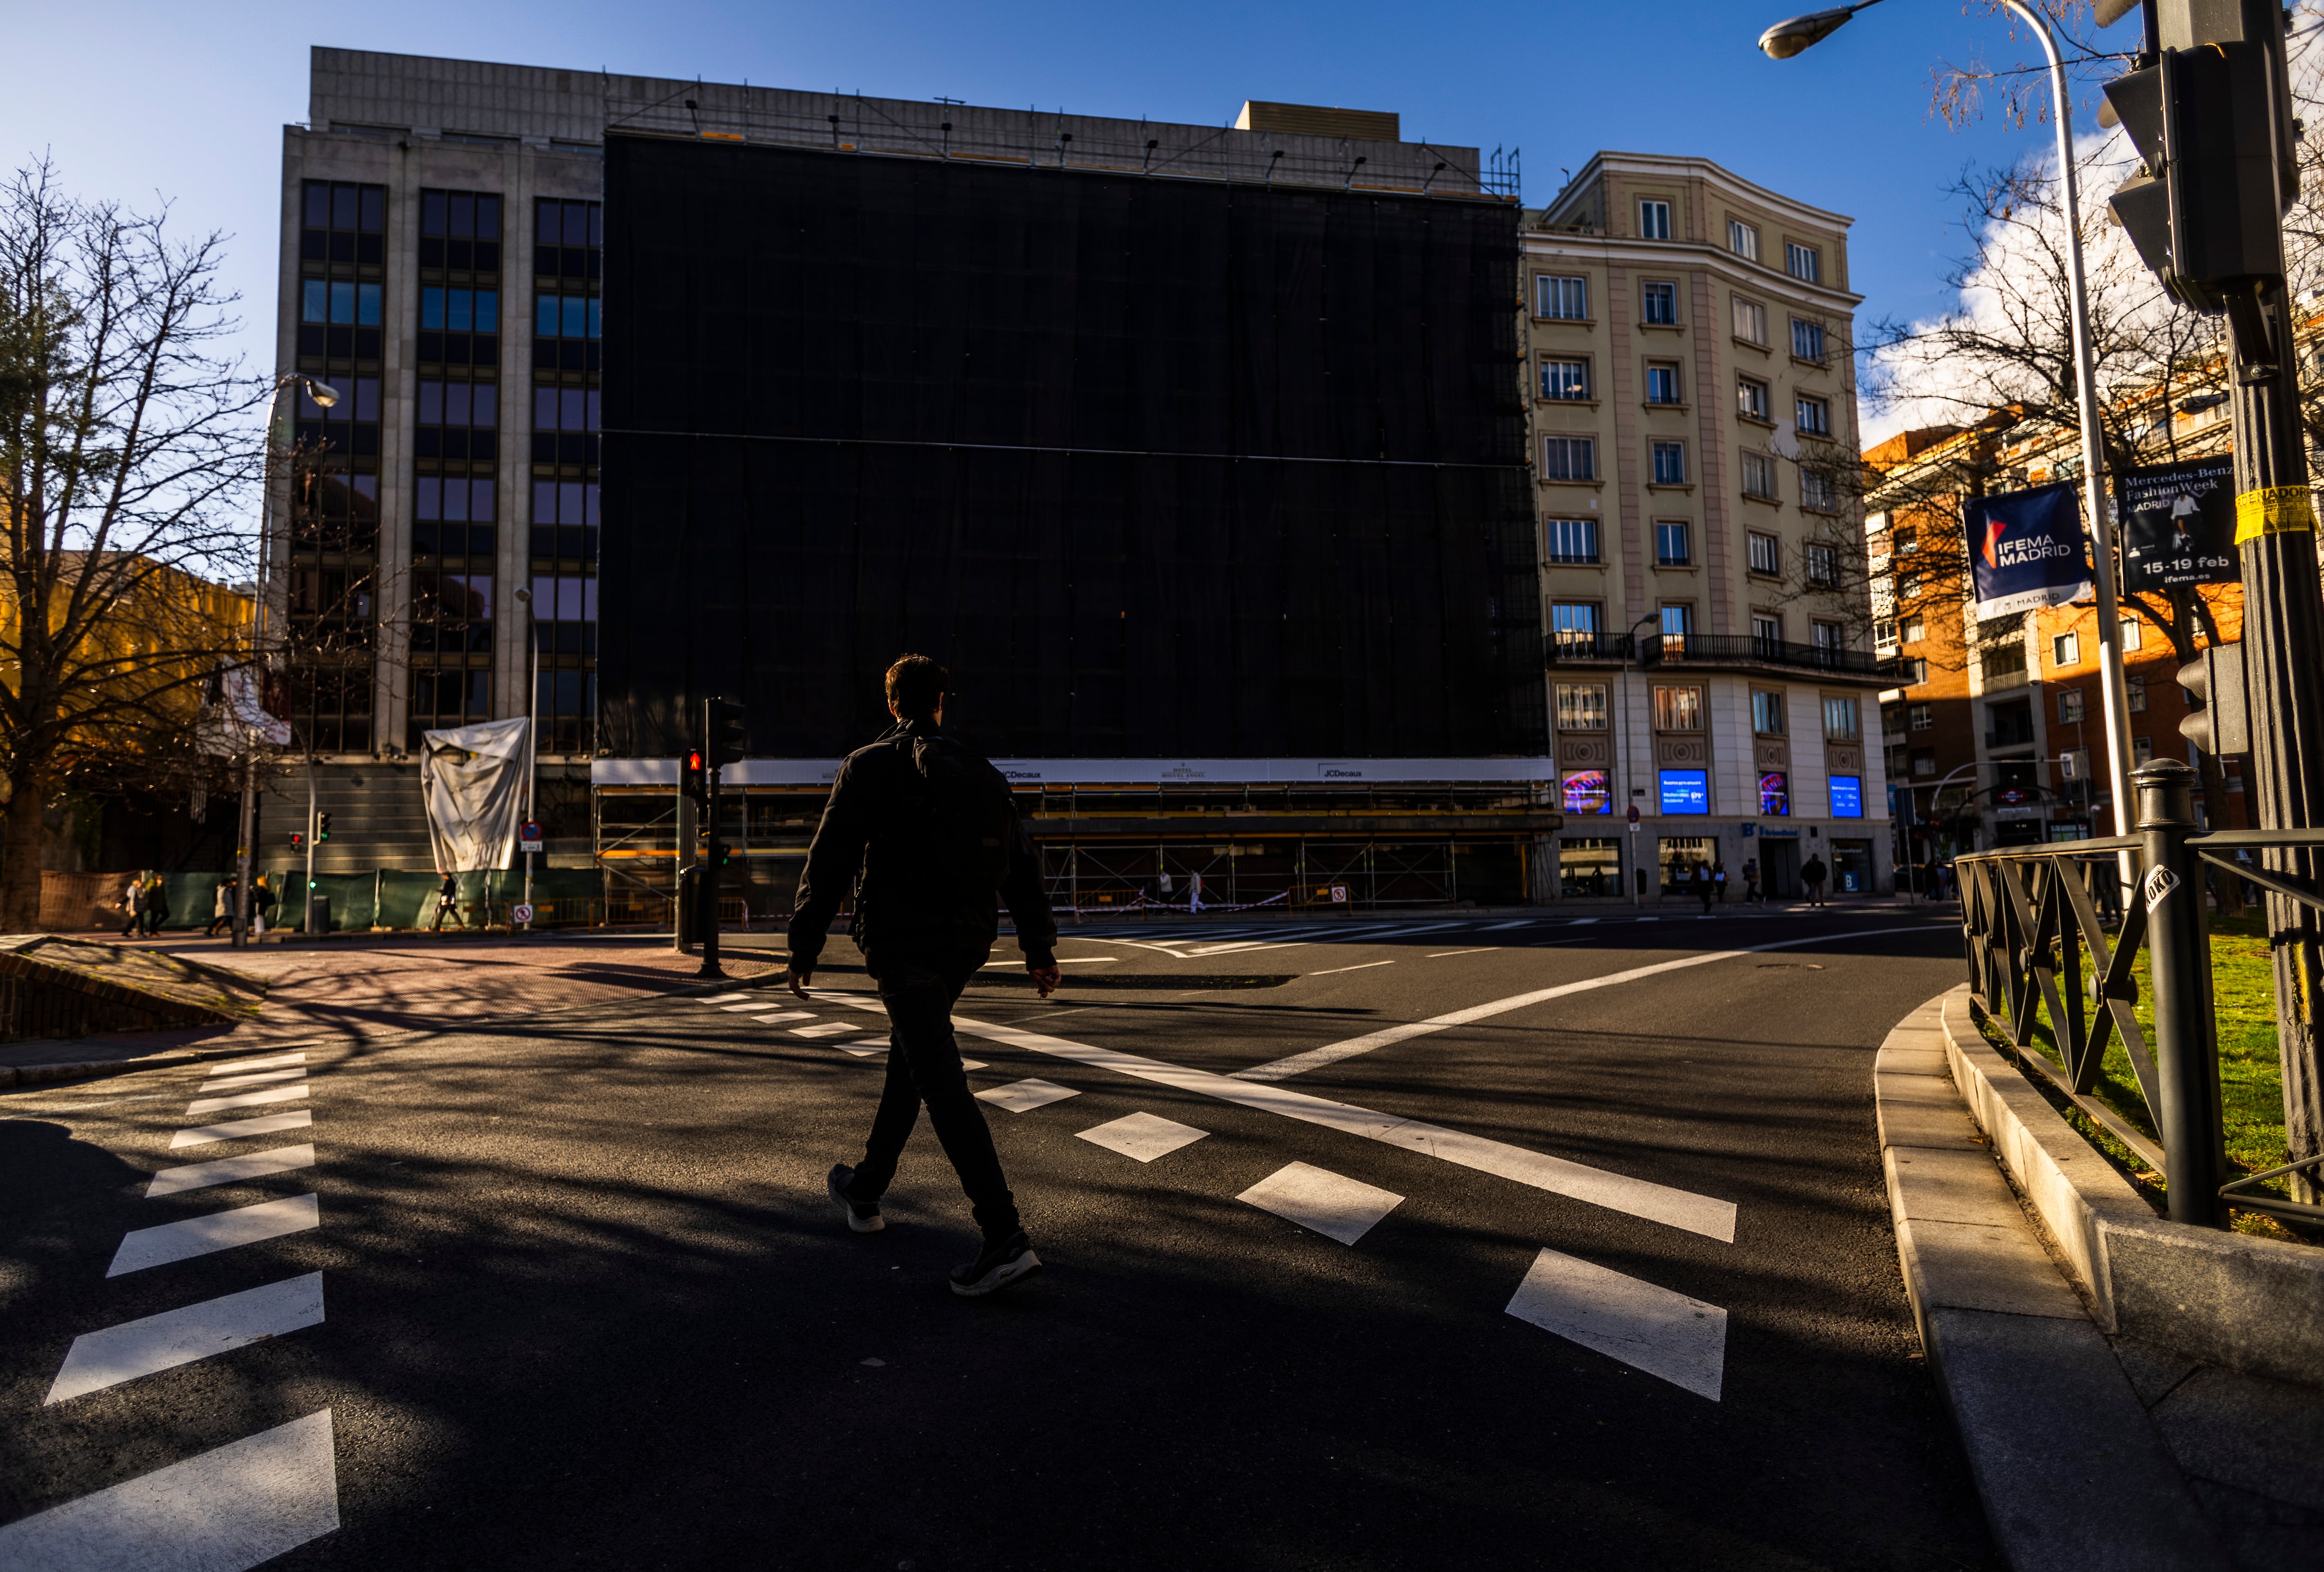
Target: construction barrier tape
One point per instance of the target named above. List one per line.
(2275, 510)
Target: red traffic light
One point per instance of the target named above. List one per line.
(694, 760)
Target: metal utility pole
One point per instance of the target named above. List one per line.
(306, 917)
(249, 816)
(707, 883)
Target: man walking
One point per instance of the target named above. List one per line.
(926, 834)
(1751, 881)
(133, 906)
(447, 904)
(1813, 876)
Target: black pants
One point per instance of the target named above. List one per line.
(924, 1066)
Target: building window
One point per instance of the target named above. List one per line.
(1573, 627)
(2069, 707)
(1750, 398)
(1924, 762)
(1569, 457)
(1743, 239)
(2066, 650)
(1912, 671)
(1581, 706)
(1909, 627)
(1750, 321)
(1662, 382)
(1759, 475)
(1767, 631)
(1654, 220)
(458, 420)
(1766, 712)
(564, 425)
(444, 697)
(2004, 661)
(1807, 340)
(2130, 632)
(1589, 867)
(1812, 416)
(1841, 721)
(451, 615)
(2142, 752)
(1817, 490)
(453, 517)
(1674, 545)
(567, 330)
(1670, 463)
(1802, 263)
(2135, 692)
(1566, 300)
(1822, 564)
(564, 613)
(1677, 708)
(1570, 539)
(564, 522)
(1767, 555)
(1565, 379)
(1660, 303)
(1921, 718)
(1884, 635)
(1677, 622)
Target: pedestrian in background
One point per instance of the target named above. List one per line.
(132, 905)
(1751, 881)
(157, 906)
(221, 908)
(447, 904)
(262, 905)
(1703, 886)
(927, 835)
(1813, 876)
(1719, 881)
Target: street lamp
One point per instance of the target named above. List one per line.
(326, 396)
(531, 733)
(1786, 38)
(1622, 740)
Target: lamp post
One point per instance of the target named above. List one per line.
(1786, 38)
(326, 396)
(531, 733)
(1622, 740)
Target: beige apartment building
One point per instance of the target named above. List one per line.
(1692, 404)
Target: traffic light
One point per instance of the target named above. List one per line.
(728, 730)
(690, 777)
(2211, 118)
(2216, 678)
(322, 828)
(298, 839)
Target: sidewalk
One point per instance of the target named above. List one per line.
(357, 988)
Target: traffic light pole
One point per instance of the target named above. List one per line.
(2284, 655)
(706, 884)
(307, 919)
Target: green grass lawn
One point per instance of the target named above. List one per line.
(2251, 1085)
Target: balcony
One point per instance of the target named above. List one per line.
(1716, 649)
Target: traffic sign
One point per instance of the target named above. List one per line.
(528, 836)
(1339, 894)
(1634, 813)
(522, 913)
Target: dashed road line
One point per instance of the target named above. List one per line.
(1143, 1136)
(1333, 1205)
(99, 1360)
(1024, 1096)
(1666, 1334)
(1366, 967)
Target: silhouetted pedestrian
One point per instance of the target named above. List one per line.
(1813, 876)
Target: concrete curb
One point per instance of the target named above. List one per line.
(2249, 1304)
(33, 1075)
(2071, 1468)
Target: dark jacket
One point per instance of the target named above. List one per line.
(877, 837)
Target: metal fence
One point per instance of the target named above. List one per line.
(2053, 933)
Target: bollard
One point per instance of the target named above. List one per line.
(2178, 953)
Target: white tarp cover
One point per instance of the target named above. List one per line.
(472, 781)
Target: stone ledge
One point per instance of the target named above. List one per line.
(2249, 1304)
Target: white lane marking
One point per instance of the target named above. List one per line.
(1520, 922)
(101, 1359)
(1583, 921)
(182, 1241)
(1144, 1136)
(865, 1049)
(224, 1511)
(1441, 954)
(744, 1009)
(1704, 1214)
(825, 1029)
(234, 1066)
(1024, 1096)
(228, 1083)
(198, 1176)
(1334, 1052)
(719, 999)
(1666, 1334)
(264, 1124)
(1365, 967)
(1333, 1205)
(780, 1016)
(1062, 960)
(972, 1064)
(246, 1099)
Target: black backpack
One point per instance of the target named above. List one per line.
(970, 817)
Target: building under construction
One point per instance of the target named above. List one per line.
(1196, 452)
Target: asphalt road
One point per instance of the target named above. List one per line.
(1599, 1278)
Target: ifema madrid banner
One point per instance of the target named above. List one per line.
(2028, 549)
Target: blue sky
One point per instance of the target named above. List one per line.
(186, 101)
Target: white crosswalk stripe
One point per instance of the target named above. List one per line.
(225, 1170)
(246, 1099)
(234, 1066)
(1333, 1205)
(1682, 1340)
(218, 1083)
(1024, 1096)
(240, 1129)
(192, 1236)
(101, 1359)
(1143, 1136)
(224, 1511)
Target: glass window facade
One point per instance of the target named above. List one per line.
(1589, 866)
(567, 365)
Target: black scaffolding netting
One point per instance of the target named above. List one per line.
(1159, 468)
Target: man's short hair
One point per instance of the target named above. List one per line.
(916, 686)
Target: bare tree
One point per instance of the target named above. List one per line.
(129, 454)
